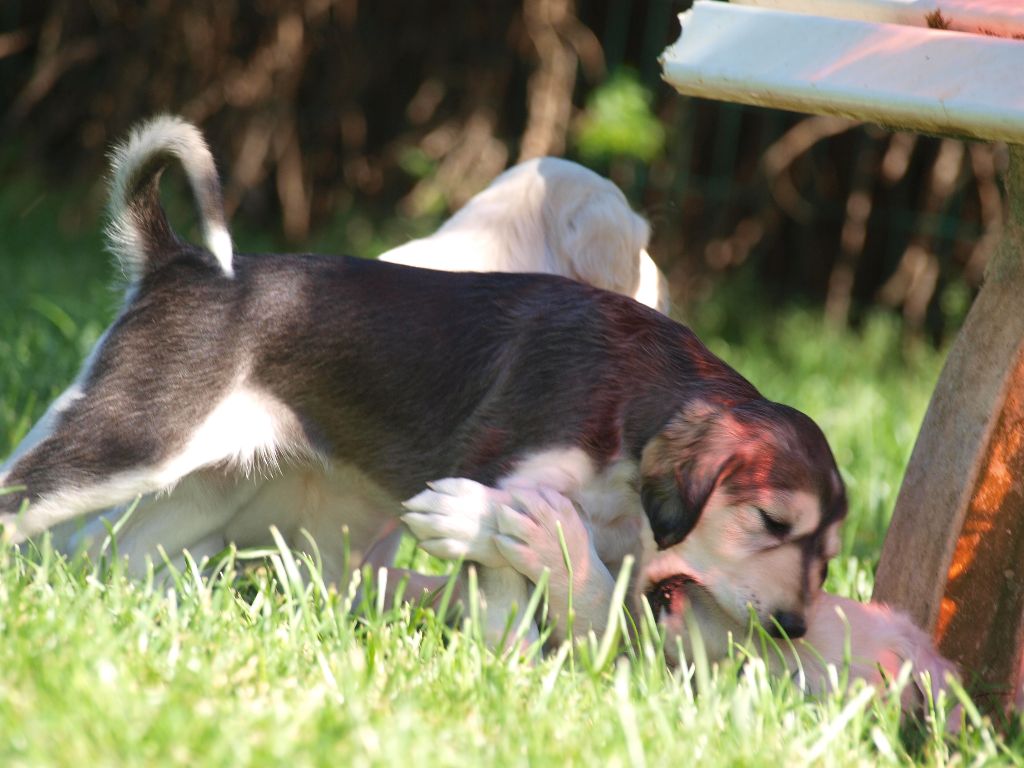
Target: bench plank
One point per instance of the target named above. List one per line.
(903, 77)
(1004, 18)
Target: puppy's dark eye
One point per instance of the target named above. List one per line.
(775, 527)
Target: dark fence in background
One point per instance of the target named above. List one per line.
(373, 113)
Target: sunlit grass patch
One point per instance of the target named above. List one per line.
(256, 667)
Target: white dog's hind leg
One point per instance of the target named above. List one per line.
(191, 517)
(530, 543)
(504, 595)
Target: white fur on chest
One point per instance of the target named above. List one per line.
(610, 505)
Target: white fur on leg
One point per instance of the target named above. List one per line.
(191, 518)
(565, 470)
(505, 595)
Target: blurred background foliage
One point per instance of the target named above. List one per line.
(351, 126)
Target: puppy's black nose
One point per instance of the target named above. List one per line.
(792, 624)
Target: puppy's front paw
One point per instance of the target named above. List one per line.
(457, 518)
(529, 540)
(529, 537)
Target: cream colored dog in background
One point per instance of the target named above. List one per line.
(547, 215)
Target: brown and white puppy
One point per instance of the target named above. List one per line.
(764, 508)
(523, 529)
(547, 215)
(323, 390)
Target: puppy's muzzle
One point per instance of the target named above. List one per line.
(788, 624)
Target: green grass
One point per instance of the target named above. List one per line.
(259, 669)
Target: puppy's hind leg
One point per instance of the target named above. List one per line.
(113, 436)
(90, 460)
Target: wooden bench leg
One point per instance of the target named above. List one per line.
(954, 554)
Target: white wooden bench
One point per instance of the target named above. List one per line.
(954, 554)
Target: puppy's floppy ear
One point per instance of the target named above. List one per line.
(673, 503)
(598, 237)
(680, 468)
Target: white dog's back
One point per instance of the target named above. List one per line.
(547, 215)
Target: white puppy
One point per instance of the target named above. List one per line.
(547, 215)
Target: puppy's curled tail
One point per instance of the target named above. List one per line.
(138, 233)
